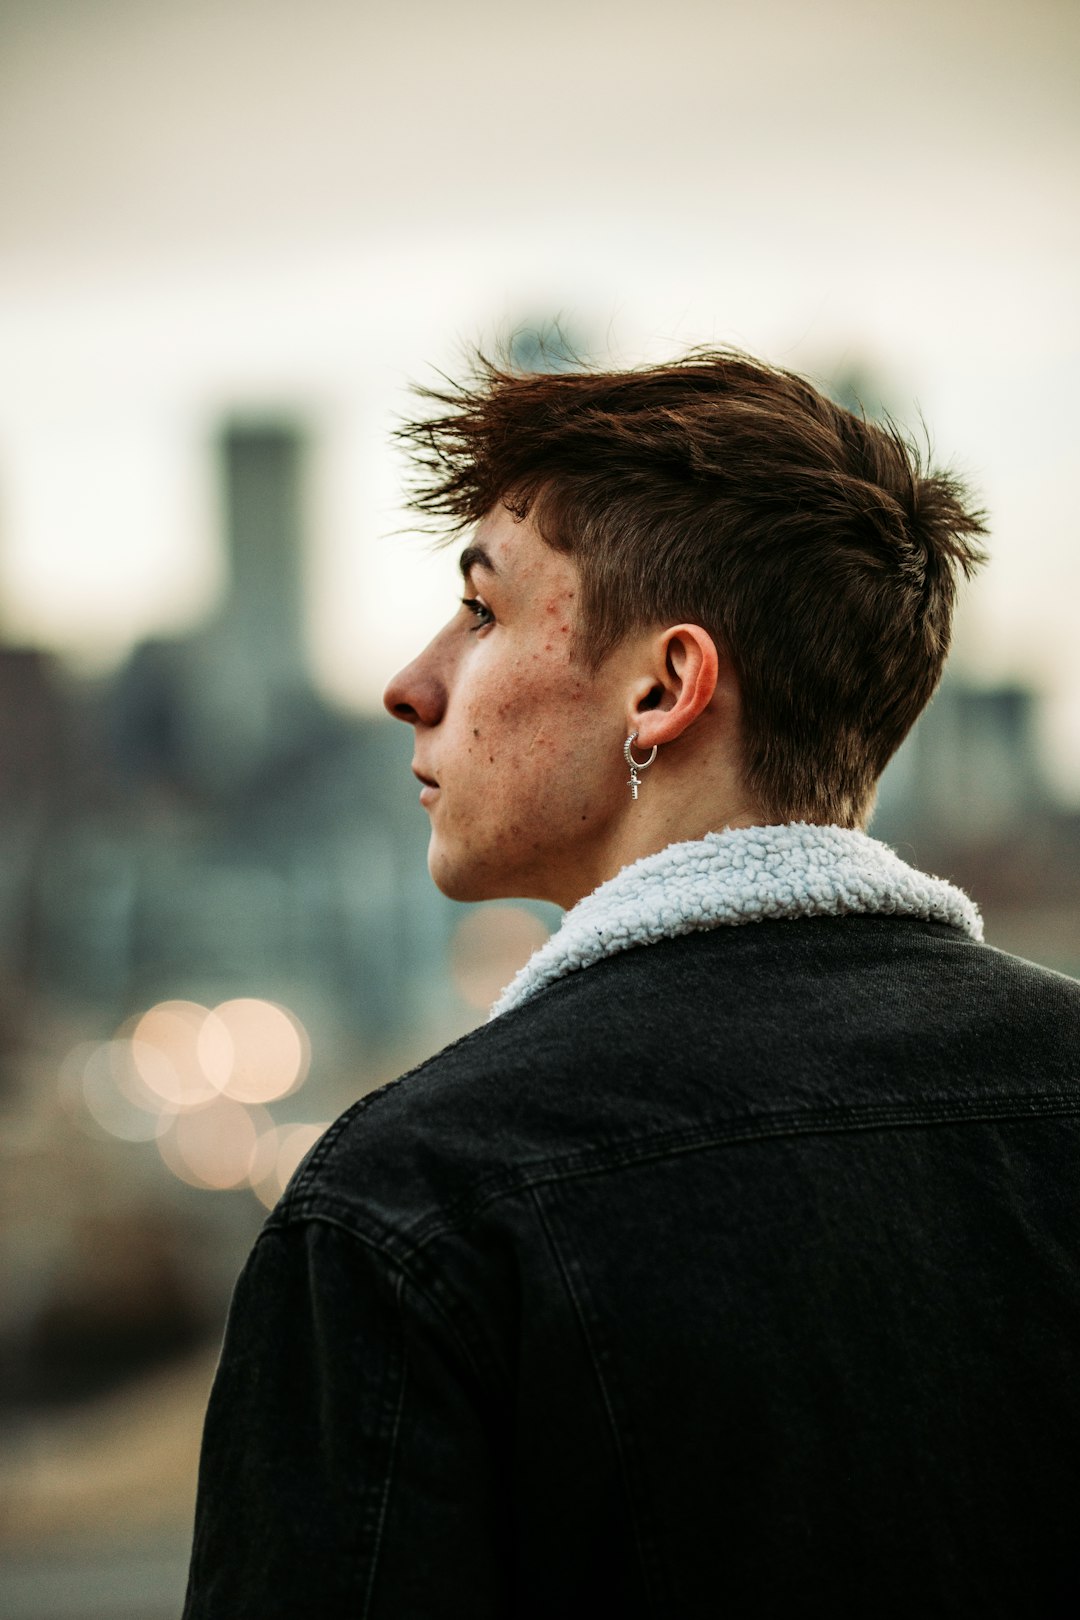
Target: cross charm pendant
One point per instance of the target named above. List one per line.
(634, 781)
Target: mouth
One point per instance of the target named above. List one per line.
(428, 786)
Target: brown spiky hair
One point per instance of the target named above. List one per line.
(813, 544)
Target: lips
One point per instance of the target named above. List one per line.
(428, 786)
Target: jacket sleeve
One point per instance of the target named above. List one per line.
(346, 1467)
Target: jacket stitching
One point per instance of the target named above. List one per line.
(616, 1434)
(380, 1523)
(773, 1127)
(301, 1181)
(400, 1261)
(943, 933)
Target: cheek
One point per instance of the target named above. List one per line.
(525, 726)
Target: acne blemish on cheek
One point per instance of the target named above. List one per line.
(475, 732)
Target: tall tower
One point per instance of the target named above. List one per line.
(262, 470)
(243, 706)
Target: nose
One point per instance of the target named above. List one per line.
(417, 693)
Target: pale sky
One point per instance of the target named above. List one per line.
(212, 205)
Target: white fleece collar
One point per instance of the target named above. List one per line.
(741, 875)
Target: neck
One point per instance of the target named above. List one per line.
(662, 814)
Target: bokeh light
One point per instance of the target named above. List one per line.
(252, 1050)
(214, 1147)
(165, 1051)
(488, 948)
(97, 1081)
(193, 1080)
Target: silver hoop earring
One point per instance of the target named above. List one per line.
(636, 765)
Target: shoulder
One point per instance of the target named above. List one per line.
(647, 1043)
(438, 1136)
(487, 1114)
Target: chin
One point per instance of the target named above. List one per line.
(457, 880)
(471, 881)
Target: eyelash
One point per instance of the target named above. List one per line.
(476, 608)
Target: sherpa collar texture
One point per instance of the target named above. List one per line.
(741, 875)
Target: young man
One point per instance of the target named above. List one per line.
(731, 1268)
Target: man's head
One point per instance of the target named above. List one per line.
(519, 739)
(811, 545)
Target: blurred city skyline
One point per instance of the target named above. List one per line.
(218, 209)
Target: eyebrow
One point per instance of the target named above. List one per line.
(475, 557)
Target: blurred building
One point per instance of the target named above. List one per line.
(204, 824)
(201, 827)
(966, 796)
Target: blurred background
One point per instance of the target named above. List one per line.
(231, 233)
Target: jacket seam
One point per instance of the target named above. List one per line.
(609, 1409)
(946, 933)
(300, 1183)
(380, 1525)
(756, 1128)
(399, 1261)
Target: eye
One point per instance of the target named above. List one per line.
(479, 610)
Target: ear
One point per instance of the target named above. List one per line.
(679, 687)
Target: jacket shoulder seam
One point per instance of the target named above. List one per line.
(401, 1260)
(446, 1220)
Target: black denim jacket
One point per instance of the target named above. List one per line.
(735, 1275)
